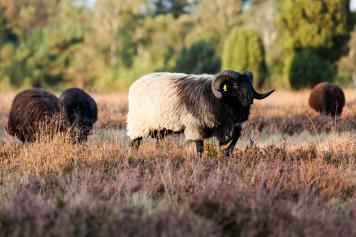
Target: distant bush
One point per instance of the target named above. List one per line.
(324, 27)
(243, 49)
(308, 69)
(199, 58)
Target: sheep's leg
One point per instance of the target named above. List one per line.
(200, 147)
(192, 133)
(236, 133)
(159, 135)
(135, 143)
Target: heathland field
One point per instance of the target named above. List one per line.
(293, 173)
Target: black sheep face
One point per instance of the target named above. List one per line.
(239, 88)
(81, 111)
(235, 87)
(82, 120)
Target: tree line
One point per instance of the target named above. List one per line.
(107, 45)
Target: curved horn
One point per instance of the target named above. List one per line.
(219, 78)
(249, 75)
(259, 96)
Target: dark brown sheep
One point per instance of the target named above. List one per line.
(81, 111)
(327, 98)
(34, 112)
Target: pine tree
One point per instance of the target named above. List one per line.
(243, 50)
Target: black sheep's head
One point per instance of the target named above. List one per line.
(81, 111)
(82, 125)
(228, 83)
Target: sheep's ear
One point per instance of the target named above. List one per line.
(221, 84)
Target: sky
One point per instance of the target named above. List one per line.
(352, 3)
(90, 2)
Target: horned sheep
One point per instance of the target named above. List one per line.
(200, 106)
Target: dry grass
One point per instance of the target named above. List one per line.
(282, 105)
(300, 183)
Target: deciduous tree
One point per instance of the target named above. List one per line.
(323, 27)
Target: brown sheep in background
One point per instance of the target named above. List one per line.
(327, 98)
(32, 111)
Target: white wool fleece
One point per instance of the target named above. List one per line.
(154, 105)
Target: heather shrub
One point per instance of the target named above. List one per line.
(292, 174)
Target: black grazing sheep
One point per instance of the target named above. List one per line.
(81, 111)
(200, 106)
(34, 112)
(327, 98)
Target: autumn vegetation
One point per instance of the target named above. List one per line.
(292, 174)
(107, 44)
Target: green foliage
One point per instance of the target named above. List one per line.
(346, 65)
(243, 50)
(174, 7)
(158, 42)
(57, 43)
(198, 58)
(6, 33)
(24, 16)
(161, 39)
(214, 20)
(43, 58)
(8, 41)
(12, 70)
(114, 29)
(322, 26)
(308, 69)
(121, 78)
(342, 81)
